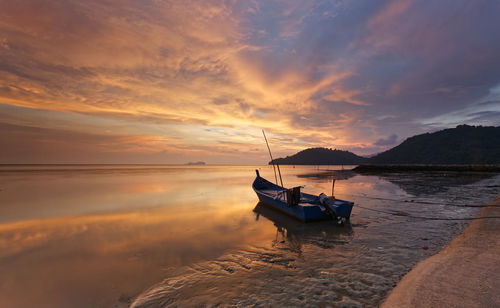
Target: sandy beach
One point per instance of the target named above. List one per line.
(466, 273)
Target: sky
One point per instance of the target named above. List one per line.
(153, 81)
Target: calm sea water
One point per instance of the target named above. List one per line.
(154, 236)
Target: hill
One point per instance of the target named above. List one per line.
(454, 146)
(321, 156)
(461, 145)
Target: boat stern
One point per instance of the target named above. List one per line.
(343, 208)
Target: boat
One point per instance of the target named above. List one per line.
(302, 206)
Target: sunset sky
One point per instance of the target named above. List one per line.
(155, 81)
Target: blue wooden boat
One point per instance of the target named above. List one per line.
(305, 207)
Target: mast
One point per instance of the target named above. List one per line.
(279, 172)
(333, 187)
(272, 161)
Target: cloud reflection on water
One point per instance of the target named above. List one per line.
(107, 256)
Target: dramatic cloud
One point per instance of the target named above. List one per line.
(130, 81)
(391, 140)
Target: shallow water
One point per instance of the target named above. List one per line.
(112, 236)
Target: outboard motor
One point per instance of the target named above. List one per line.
(327, 203)
(323, 199)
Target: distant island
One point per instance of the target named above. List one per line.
(196, 163)
(461, 145)
(321, 156)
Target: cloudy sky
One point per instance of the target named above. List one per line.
(153, 81)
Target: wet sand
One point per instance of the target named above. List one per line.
(464, 274)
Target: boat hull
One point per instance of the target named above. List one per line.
(309, 213)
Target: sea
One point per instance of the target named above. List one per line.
(196, 236)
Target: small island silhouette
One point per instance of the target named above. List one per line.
(196, 163)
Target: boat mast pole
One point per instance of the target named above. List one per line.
(272, 161)
(279, 172)
(333, 187)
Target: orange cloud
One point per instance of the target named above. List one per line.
(162, 73)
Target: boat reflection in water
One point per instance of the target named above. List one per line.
(292, 233)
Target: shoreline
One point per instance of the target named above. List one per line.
(368, 168)
(466, 273)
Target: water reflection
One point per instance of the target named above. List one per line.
(98, 237)
(320, 264)
(338, 175)
(431, 183)
(293, 234)
(101, 260)
(111, 236)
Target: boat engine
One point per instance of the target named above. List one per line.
(326, 202)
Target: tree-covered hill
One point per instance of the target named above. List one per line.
(321, 156)
(461, 145)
